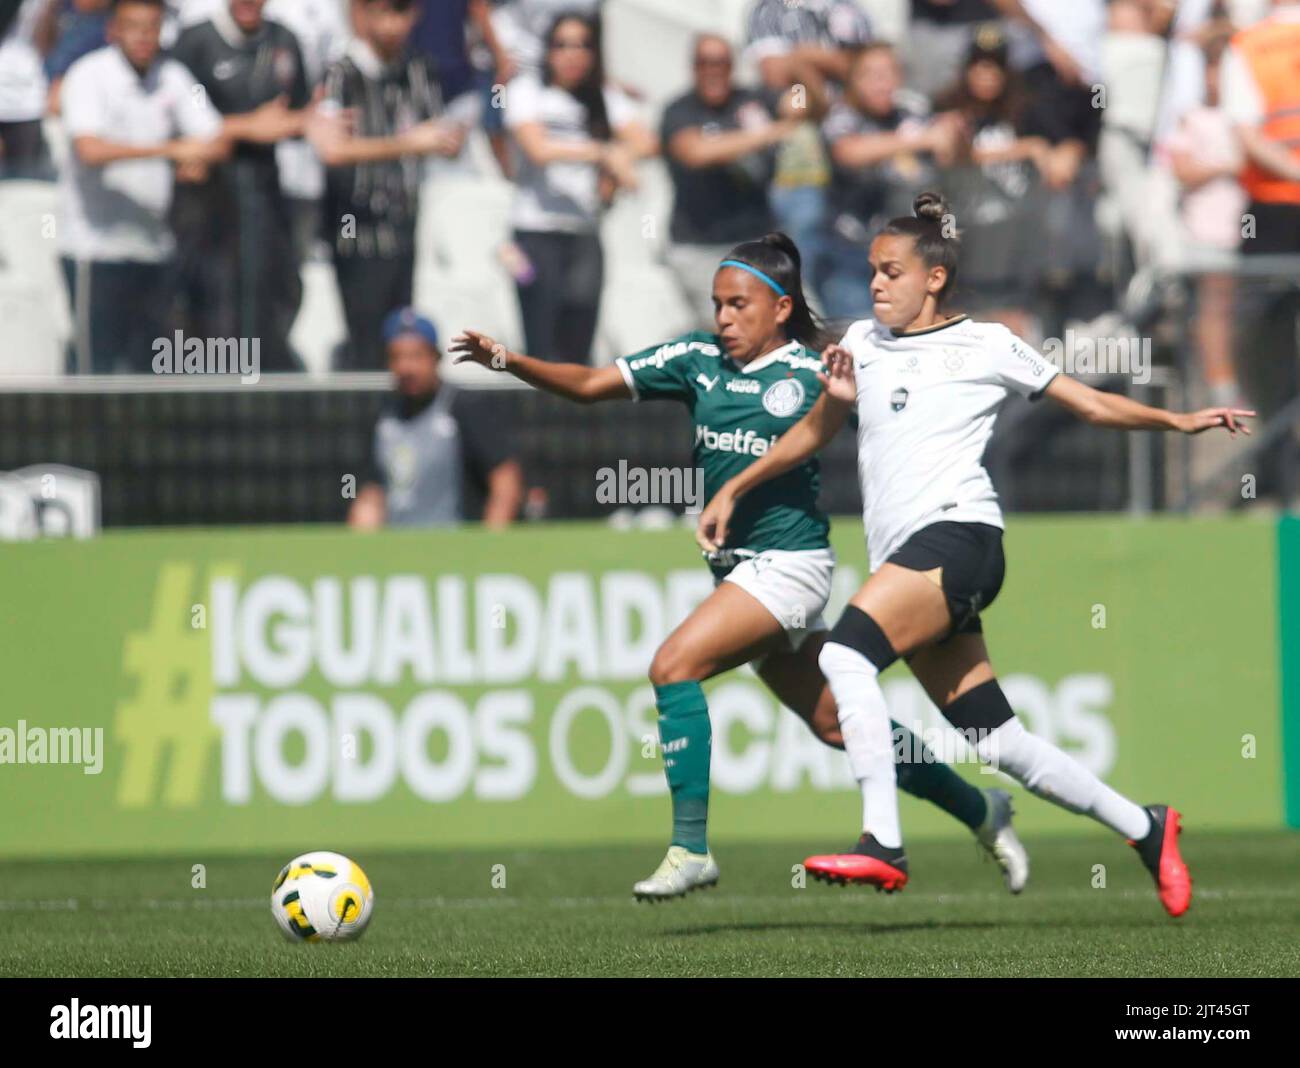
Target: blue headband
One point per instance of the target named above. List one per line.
(756, 273)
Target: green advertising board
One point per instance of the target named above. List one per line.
(297, 688)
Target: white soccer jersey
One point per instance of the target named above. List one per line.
(926, 406)
(119, 211)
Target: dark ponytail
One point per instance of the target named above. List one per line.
(933, 229)
(778, 257)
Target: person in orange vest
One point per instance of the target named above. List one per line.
(1261, 93)
(1260, 87)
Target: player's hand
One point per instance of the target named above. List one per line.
(838, 380)
(470, 346)
(1231, 419)
(711, 531)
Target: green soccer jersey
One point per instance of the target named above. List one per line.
(739, 413)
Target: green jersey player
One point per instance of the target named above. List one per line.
(745, 386)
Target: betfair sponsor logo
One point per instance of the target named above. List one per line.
(745, 442)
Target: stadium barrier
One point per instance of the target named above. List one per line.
(221, 690)
(170, 452)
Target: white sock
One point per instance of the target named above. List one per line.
(1057, 777)
(868, 741)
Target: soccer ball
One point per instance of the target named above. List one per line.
(322, 897)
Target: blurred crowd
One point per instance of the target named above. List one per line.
(215, 145)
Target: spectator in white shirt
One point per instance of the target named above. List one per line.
(23, 89)
(578, 141)
(132, 118)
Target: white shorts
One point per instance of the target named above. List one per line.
(794, 585)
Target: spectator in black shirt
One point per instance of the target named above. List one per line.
(238, 269)
(383, 111)
(1007, 151)
(718, 139)
(885, 147)
(808, 46)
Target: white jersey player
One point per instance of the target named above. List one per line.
(927, 387)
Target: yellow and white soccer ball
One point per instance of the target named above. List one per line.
(322, 897)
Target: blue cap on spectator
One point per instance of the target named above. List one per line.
(409, 321)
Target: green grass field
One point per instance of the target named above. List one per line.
(570, 912)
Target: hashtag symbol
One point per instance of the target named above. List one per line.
(171, 666)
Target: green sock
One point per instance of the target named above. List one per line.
(922, 775)
(687, 738)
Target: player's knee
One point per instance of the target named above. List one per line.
(854, 643)
(672, 664)
(837, 661)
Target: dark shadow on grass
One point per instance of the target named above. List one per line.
(847, 926)
(869, 927)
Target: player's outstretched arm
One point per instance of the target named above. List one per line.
(572, 381)
(1121, 413)
(804, 439)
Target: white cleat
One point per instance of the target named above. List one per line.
(679, 874)
(998, 837)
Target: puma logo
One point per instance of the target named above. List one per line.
(703, 380)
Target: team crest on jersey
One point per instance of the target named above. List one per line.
(898, 399)
(953, 361)
(784, 397)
